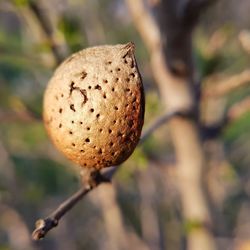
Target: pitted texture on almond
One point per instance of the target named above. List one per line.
(94, 106)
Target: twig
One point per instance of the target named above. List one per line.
(215, 87)
(57, 44)
(161, 121)
(239, 109)
(23, 116)
(43, 226)
(244, 38)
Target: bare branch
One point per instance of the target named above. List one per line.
(43, 30)
(161, 121)
(23, 116)
(215, 86)
(45, 225)
(56, 42)
(92, 179)
(244, 38)
(239, 109)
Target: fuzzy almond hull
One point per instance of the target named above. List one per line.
(94, 106)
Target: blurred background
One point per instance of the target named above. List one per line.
(142, 209)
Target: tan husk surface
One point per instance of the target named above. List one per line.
(94, 106)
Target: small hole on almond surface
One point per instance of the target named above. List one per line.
(100, 151)
(114, 122)
(98, 87)
(105, 80)
(115, 107)
(113, 89)
(72, 122)
(88, 128)
(110, 131)
(130, 123)
(62, 95)
(118, 69)
(72, 107)
(81, 151)
(60, 110)
(132, 74)
(81, 123)
(73, 144)
(91, 110)
(60, 125)
(98, 115)
(70, 132)
(111, 144)
(104, 96)
(116, 79)
(87, 140)
(112, 153)
(89, 87)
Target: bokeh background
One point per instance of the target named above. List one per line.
(142, 208)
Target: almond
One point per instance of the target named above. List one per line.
(94, 106)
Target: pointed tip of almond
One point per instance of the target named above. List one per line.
(130, 46)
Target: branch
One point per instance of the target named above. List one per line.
(244, 38)
(23, 116)
(233, 113)
(239, 109)
(56, 39)
(43, 30)
(92, 179)
(216, 87)
(161, 121)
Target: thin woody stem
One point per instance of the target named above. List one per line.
(45, 225)
(161, 121)
(92, 180)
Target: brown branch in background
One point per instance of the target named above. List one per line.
(215, 86)
(233, 113)
(178, 94)
(239, 109)
(55, 39)
(11, 222)
(14, 116)
(120, 237)
(244, 38)
(43, 31)
(163, 119)
(148, 214)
